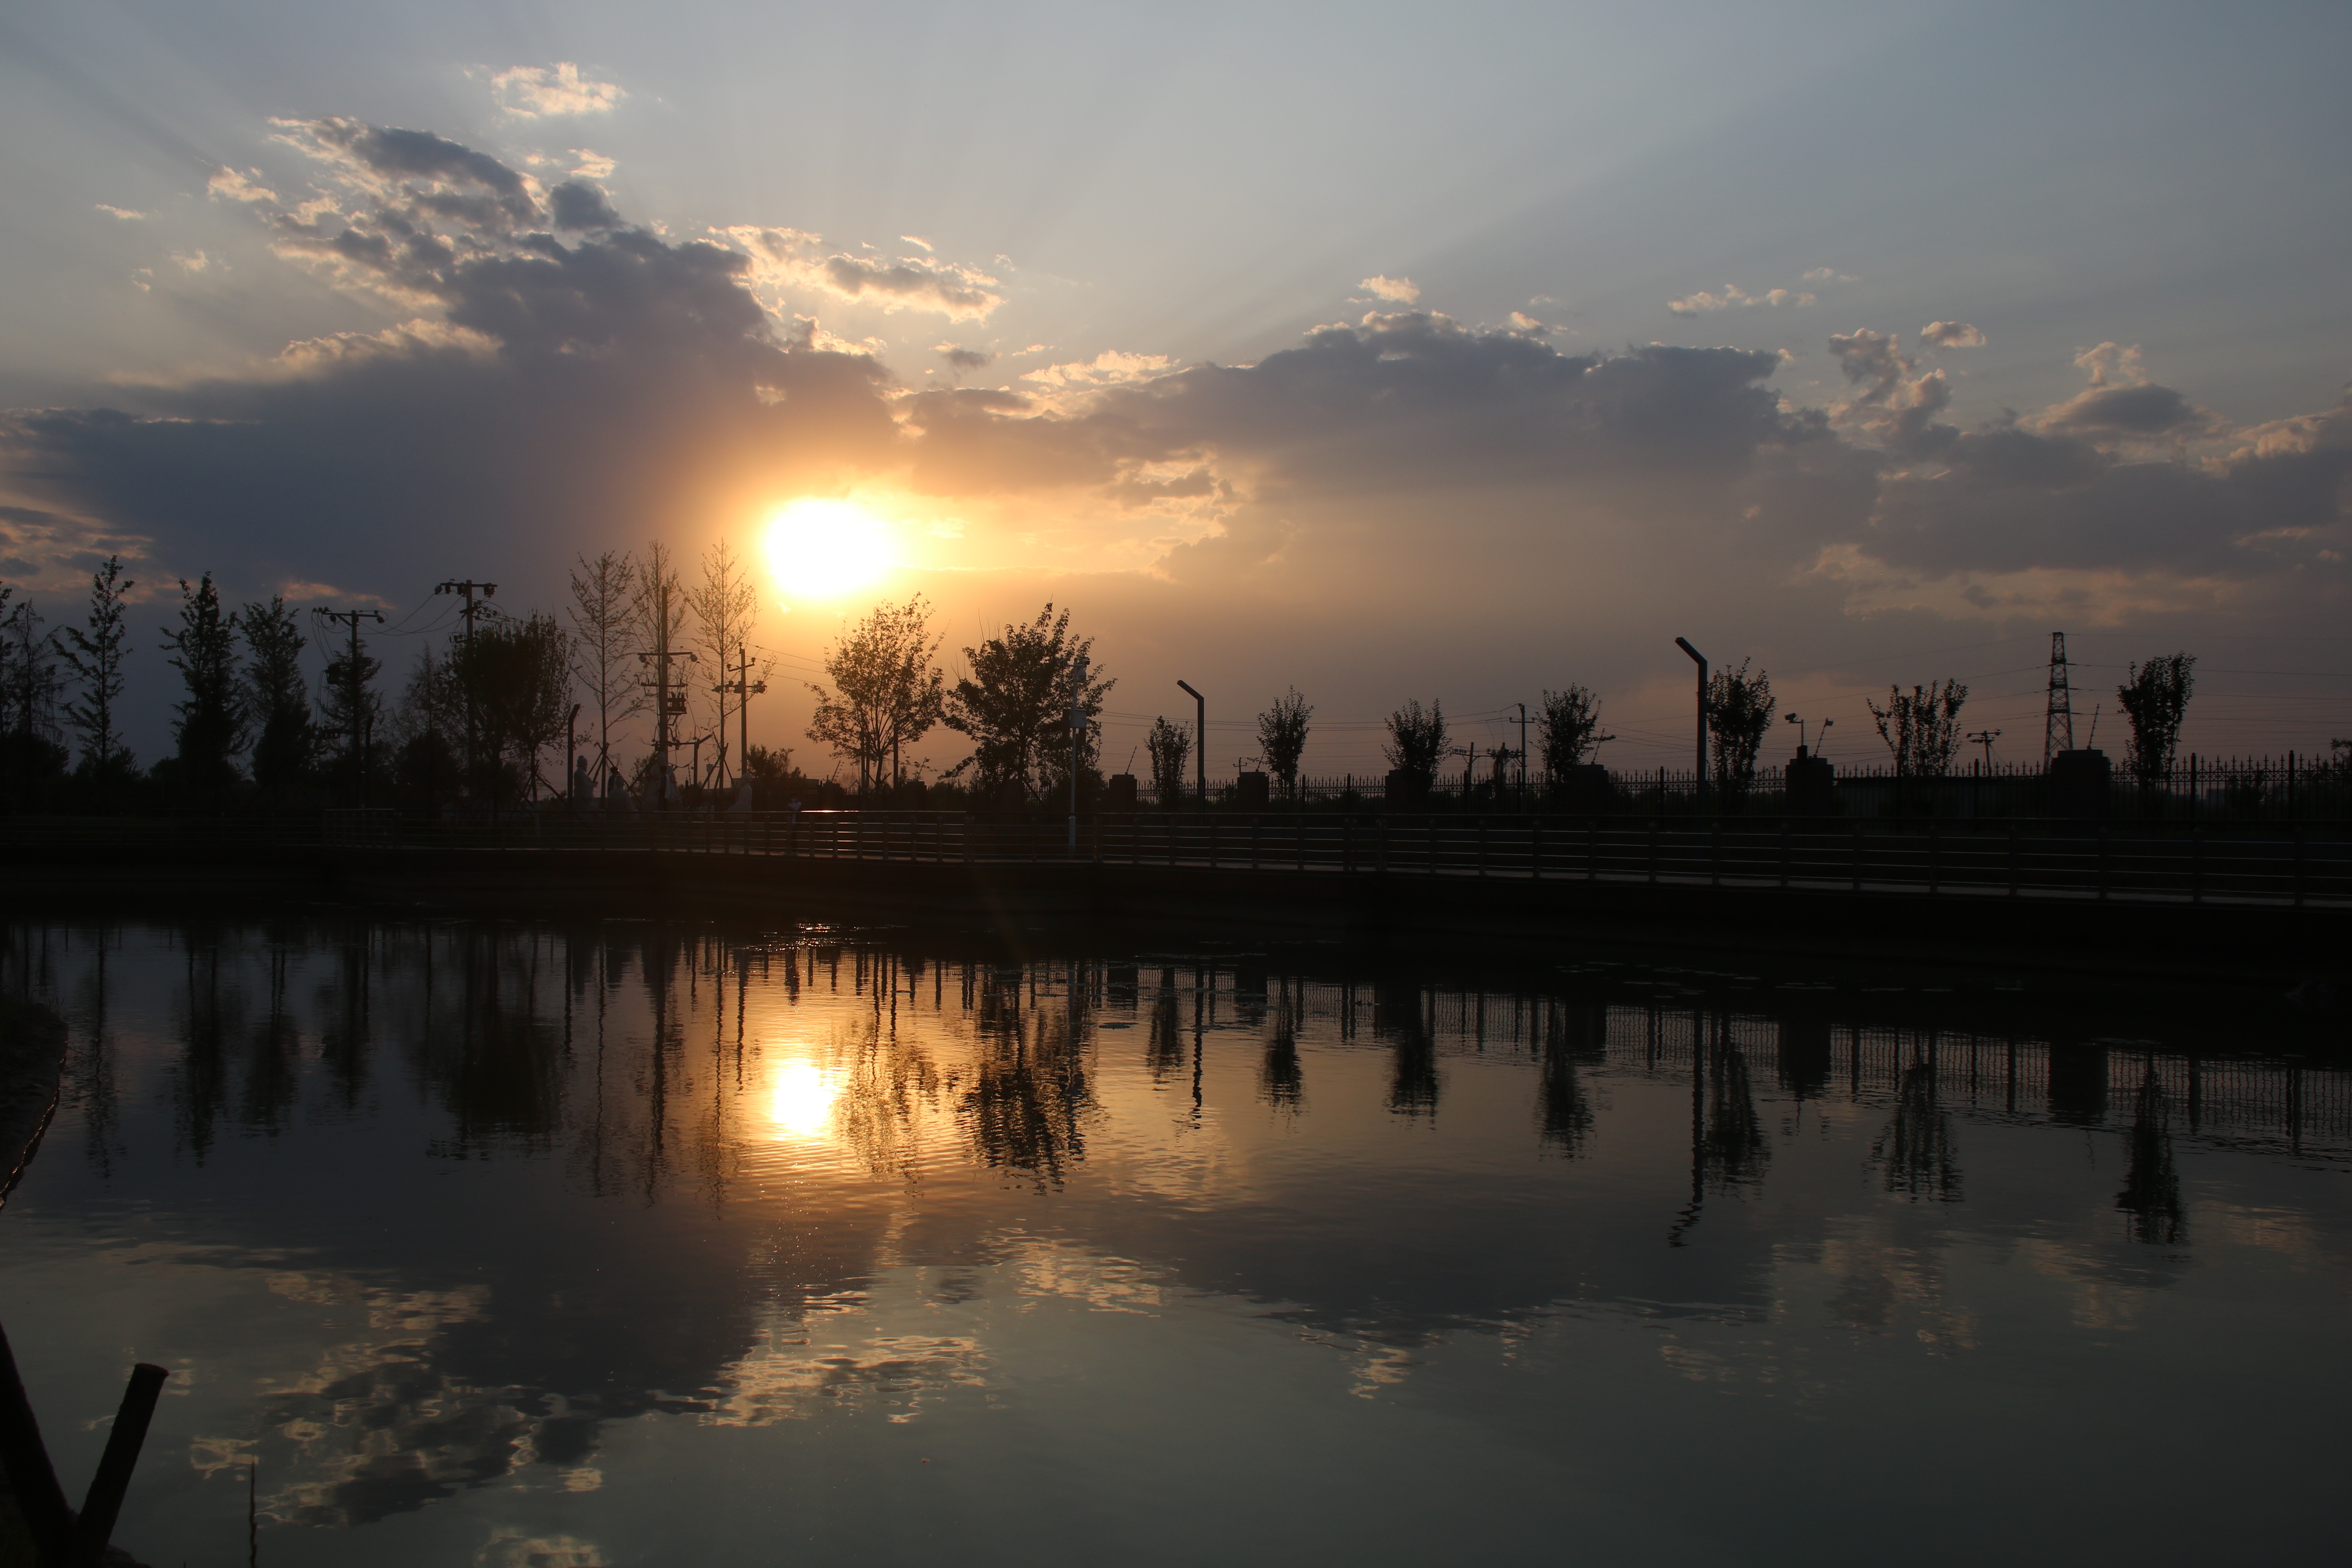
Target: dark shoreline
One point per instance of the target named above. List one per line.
(1023, 906)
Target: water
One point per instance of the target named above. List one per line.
(508, 1244)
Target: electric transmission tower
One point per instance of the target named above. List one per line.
(2058, 718)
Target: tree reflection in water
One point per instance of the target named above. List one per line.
(2151, 1194)
(478, 1339)
(1916, 1155)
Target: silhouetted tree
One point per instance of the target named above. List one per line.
(724, 606)
(277, 698)
(349, 709)
(1416, 742)
(430, 733)
(31, 758)
(2156, 700)
(519, 674)
(1922, 729)
(1738, 715)
(209, 726)
(1568, 726)
(886, 690)
(604, 649)
(1015, 706)
(96, 656)
(1282, 737)
(1169, 746)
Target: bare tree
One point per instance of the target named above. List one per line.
(1922, 729)
(1569, 728)
(1282, 736)
(724, 604)
(888, 692)
(603, 647)
(2156, 700)
(96, 656)
(1738, 716)
(31, 760)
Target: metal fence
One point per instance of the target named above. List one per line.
(2291, 864)
(2199, 788)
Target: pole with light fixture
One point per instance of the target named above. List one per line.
(1077, 733)
(1699, 784)
(1199, 741)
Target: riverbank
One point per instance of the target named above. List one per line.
(2210, 942)
(32, 1064)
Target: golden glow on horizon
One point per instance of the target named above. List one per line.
(820, 549)
(800, 1102)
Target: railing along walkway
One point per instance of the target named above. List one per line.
(2298, 865)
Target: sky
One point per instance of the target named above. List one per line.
(1441, 352)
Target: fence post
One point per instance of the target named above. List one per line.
(2102, 863)
(1715, 850)
(1482, 847)
(1857, 855)
(1653, 837)
(1534, 849)
(1933, 881)
(2297, 852)
(2196, 856)
(2013, 859)
(1591, 849)
(1784, 852)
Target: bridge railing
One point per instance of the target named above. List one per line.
(2255, 862)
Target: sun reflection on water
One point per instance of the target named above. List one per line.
(801, 1100)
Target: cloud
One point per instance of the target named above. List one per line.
(591, 165)
(1951, 336)
(538, 92)
(230, 186)
(917, 239)
(124, 214)
(565, 377)
(1109, 368)
(1523, 322)
(192, 260)
(1827, 275)
(1395, 290)
(1733, 297)
(789, 259)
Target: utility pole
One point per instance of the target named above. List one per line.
(1985, 738)
(742, 688)
(2058, 712)
(1700, 659)
(668, 704)
(359, 734)
(1199, 741)
(1078, 732)
(488, 591)
(1523, 756)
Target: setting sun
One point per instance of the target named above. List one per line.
(823, 549)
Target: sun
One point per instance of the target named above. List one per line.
(823, 549)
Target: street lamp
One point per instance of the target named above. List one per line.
(1078, 732)
(1700, 659)
(1199, 741)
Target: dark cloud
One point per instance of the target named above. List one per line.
(964, 358)
(2146, 410)
(2010, 499)
(1411, 401)
(578, 208)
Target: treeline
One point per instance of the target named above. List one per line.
(487, 717)
(484, 719)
